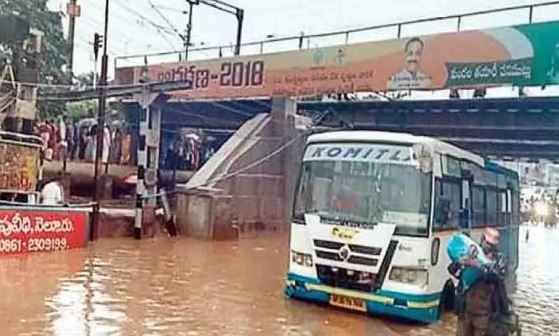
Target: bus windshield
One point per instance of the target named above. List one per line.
(365, 191)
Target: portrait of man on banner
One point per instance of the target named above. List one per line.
(411, 77)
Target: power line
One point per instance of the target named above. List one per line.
(91, 22)
(160, 29)
(169, 23)
(148, 20)
(172, 9)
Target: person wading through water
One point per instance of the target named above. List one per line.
(483, 307)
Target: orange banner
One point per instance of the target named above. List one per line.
(521, 55)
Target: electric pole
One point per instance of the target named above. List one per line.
(222, 6)
(100, 122)
(240, 15)
(191, 4)
(73, 11)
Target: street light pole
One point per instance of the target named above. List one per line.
(100, 123)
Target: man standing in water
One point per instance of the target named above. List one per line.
(477, 304)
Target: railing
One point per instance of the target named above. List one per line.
(19, 138)
(304, 41)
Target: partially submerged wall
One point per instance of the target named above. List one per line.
(248, 184)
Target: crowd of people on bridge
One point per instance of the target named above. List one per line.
(76, 140)
(188, 150)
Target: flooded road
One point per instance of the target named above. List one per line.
(189, 287)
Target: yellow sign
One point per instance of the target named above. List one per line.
(344, 233)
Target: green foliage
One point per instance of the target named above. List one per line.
(54, 46)
(83, 109)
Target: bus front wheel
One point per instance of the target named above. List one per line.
(446, 302)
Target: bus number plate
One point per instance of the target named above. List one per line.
(347, 302)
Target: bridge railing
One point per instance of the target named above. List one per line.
(455, 22)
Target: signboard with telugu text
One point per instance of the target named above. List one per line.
(41, 230)
(521, 55)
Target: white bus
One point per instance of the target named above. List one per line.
(373, 214)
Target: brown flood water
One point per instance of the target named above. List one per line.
(189, 287)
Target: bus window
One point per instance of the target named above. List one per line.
(366, 193)
(449, 198)
(479, 207)
(492, 203)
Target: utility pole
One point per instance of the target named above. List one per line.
(73, 11)
(240, 14)
(222, 6)
(191, 4)
(142, 163)
(100, 122)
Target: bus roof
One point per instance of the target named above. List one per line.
(407, 138)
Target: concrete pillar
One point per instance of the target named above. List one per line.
(283, 112)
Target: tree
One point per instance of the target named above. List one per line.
(83, 109)
(54, 45)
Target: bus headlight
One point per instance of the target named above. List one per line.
(302, 259)
(412, 276)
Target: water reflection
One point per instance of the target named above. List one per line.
(188, 287)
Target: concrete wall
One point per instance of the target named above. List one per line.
(252, 179)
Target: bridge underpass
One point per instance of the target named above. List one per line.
(508, 128)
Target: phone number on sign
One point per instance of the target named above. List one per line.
(33, 245)
(232, 74)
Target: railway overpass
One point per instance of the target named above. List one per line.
(508, 128)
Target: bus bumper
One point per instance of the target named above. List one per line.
(422, 308)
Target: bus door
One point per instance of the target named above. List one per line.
(510, 231)
(466, 201)
(506, 207)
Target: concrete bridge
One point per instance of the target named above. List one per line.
(509, 128)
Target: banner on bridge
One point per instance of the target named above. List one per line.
(525, 55)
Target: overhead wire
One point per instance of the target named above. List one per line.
(161, 30)
(146, 19)
(172, 9)
(240, 171)
(93, 23)
(169, 23)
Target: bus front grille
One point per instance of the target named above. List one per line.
(331, 250)
(328, 255)
(326, 244)
(344, 278)
(362, 261)
(365, 249)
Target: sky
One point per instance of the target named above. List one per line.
(135, 27)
